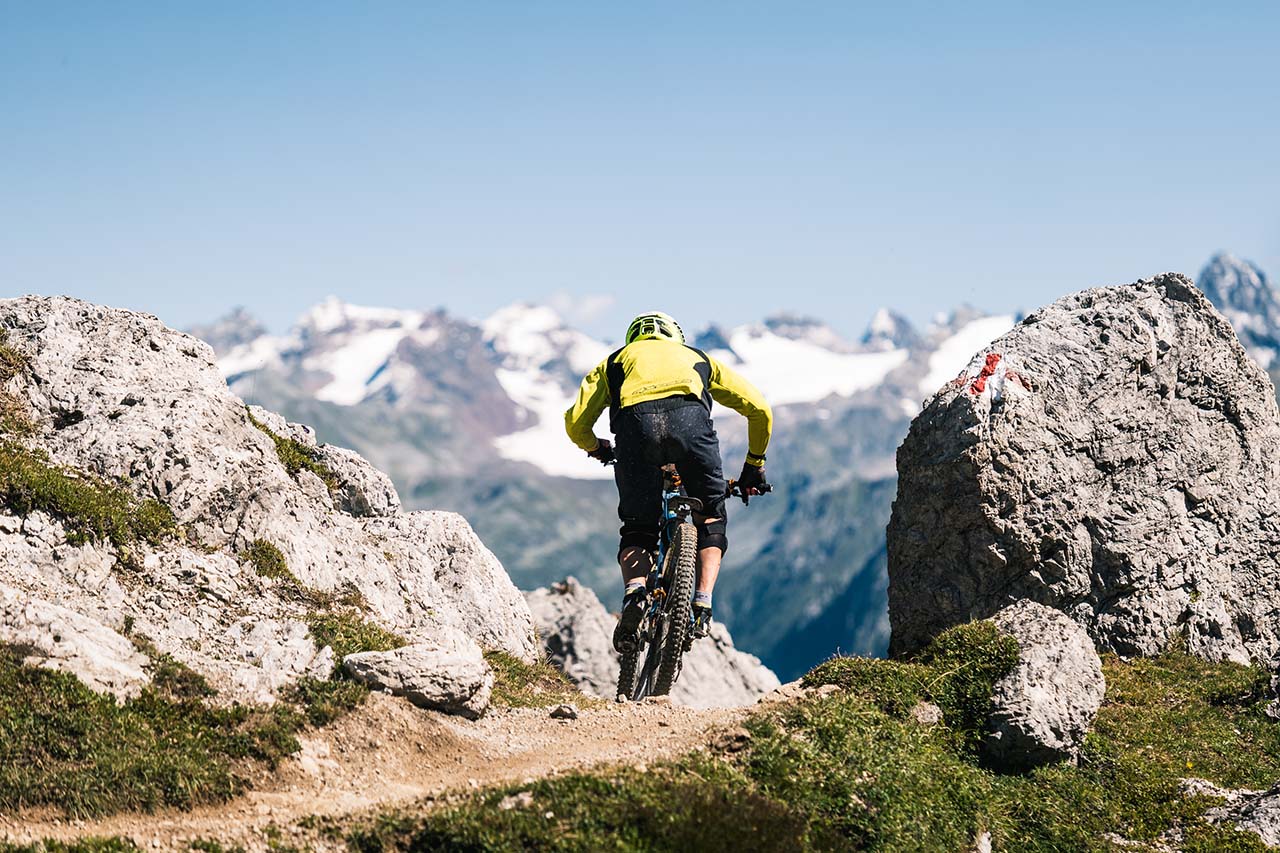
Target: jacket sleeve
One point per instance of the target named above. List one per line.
(593, 396)
(730, 389)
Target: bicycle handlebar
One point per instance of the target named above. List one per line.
(735, 491)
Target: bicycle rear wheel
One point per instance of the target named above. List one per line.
(678, 613)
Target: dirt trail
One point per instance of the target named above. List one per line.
(390, 753)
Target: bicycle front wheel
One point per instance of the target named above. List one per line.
(678, 613)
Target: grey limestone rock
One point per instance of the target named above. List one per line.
(1252, 811)
(362, 489)
(1042, 710)
(53, 637)
(1115, 456)
(444, 672)
(116, 395)
(577, 634)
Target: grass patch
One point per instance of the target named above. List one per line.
(853, 771)
(14, 417)
(92, 844)
(323, 702)
(698, 804)
(208, 845)
(268, 561)
(336, 618)
(518, 684)
(956, 672)
(348, 632)
(296, 456)
(91, 509)
(64, 746)
(169, 676)
(12, 362)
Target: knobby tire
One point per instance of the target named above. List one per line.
(627, 674)
(678, 614)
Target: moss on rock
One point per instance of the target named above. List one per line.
(296, 456)
(268, 561)
(348, 632)
(90, 508)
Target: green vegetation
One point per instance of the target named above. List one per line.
(537, 685)
(205, 845)
(64, 746)
(267, 561)
(12, 362)
(90, 508)
(14, 418)
(347, 632)
(956, 672)
(336, 618)
(322, 702)
(114, 844)
(170, 677)
(296, 456)
(854, 771)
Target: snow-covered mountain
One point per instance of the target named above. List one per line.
(469, 416)
(1242, 293)
(348, 354)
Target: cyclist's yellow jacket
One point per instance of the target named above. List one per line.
(654, 369)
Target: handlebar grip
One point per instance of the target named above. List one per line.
(733, 490)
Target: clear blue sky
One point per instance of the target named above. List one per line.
(719, 160)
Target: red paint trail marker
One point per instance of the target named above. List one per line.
(988, 370)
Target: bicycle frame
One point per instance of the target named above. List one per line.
(676, 509)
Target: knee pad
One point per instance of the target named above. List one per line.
(712, 534)
(631, 538)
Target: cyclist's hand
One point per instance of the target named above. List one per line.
(603, 452)
(751, 481)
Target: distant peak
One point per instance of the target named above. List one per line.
(889, 330)
(712, 338)
(1225, 274)
(229, 331)
(522, 317)
(807, 329)
(334, 314)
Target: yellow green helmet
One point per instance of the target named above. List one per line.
(654, 324)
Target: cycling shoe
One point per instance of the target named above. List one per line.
(701, 621)
(625, 635)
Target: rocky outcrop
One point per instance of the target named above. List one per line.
(54, 637)
(118, 396)
(1042, 710)
(446, 672)
(1252, 811)
(577, 633)
(1115, 456)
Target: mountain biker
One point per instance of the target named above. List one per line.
(659, 392)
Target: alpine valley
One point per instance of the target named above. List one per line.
(468, 417)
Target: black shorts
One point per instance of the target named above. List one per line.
(648, 436)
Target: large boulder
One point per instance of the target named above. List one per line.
(1042, 710)
(117, 396)
(1115, 456)
(445, 672)
(54, 637)
(577, 635)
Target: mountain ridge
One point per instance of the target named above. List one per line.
(470, 421)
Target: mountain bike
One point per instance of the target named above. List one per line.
(666, 629)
